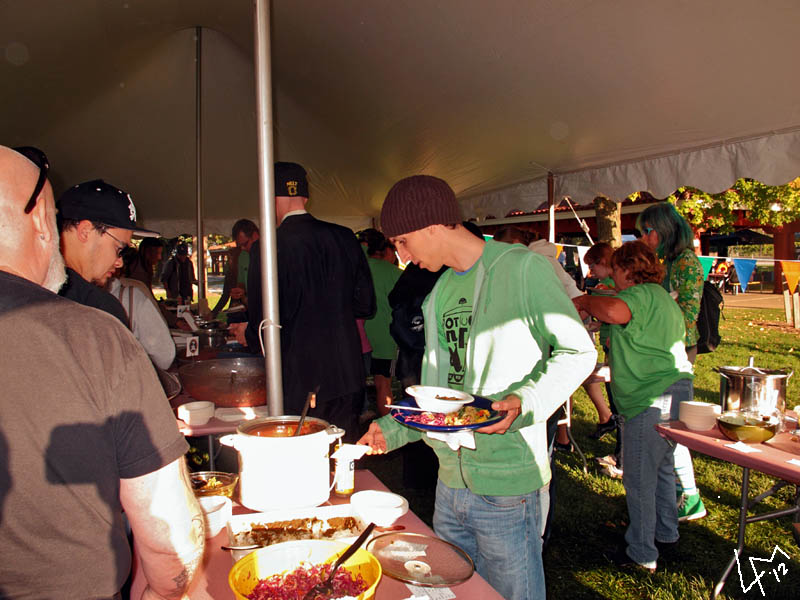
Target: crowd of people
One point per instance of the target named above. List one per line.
(499, 318)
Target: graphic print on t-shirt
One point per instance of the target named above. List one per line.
(455, 324)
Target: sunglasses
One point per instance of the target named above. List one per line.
(38, 158)
(120, 249)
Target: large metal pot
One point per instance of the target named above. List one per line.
(277, 470)
(752, 389)
(226, 382)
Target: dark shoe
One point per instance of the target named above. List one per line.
(604, 429)
(562, 447)
(621, 559)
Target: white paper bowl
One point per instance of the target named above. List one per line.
(381, 508)
(438, 399)
(196, 413)
(216, 513)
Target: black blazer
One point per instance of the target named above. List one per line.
(324, 284)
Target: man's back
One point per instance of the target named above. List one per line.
(324, 285)
(78, 412)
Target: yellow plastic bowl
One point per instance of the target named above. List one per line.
(287, 556)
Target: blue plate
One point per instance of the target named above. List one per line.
(400, 415)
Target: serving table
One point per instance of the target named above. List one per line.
(211, 581)
(778, 457)
(213, 428)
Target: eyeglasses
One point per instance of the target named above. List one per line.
(38, 158)
(120, 249)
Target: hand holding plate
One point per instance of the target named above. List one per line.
(511, 405)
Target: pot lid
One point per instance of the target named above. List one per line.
(421, 559)
(751, 371)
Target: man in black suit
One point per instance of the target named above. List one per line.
(324, 284)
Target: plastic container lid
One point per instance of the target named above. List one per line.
(421, 559)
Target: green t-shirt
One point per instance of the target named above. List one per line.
(454, 302)
(244, 266)
(384, 276)
(647, 353)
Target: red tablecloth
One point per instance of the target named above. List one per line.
(772, 459)
(211, 582)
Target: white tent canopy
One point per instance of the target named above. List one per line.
(491, 96)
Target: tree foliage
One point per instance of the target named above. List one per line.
(770, 205)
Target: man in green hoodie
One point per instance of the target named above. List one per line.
(497, 324)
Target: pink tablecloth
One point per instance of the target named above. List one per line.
(211, 583)
(773, 458)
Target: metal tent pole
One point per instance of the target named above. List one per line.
(266, 195)
(198, 119)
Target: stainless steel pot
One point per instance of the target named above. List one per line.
(227, 382)
(752, 389)
(283, 472)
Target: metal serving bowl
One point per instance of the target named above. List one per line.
(742, 427)
(227, 382)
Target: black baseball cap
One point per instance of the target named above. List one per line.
(290, 180)
(101, 202)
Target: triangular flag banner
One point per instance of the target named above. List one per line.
(582, 250)
(707, 262)
(559, 250)
(744, 270)
(791, 270)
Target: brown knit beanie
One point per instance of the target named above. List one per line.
(416, 202)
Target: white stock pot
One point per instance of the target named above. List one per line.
(277, 470)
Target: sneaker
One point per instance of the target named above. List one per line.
(604, 429)
(623, 561)
(690, 508)
(610, 459)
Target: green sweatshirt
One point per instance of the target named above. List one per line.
(526, 339)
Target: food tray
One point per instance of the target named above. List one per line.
(240, 525)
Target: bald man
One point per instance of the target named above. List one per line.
(85, 429)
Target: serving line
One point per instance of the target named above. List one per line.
(211, 581)
(773, 460)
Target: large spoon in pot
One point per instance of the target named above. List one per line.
(311, 400)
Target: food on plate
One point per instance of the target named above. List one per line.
(310, 528)
(466, 415)
(455, 399)
(295, 585)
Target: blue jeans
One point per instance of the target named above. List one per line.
(648, 477)
(501, 534)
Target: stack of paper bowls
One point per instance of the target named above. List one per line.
(698, 416)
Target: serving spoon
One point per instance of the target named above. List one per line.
(324, 588)
(311, 399)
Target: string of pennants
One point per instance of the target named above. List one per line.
(744, 266)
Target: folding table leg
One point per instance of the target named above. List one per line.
(742, 523)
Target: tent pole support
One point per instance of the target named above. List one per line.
(551, 208)
(266, 195)
(198, 132)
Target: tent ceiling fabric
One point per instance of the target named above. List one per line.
(610, 97)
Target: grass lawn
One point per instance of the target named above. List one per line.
(590, 509)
